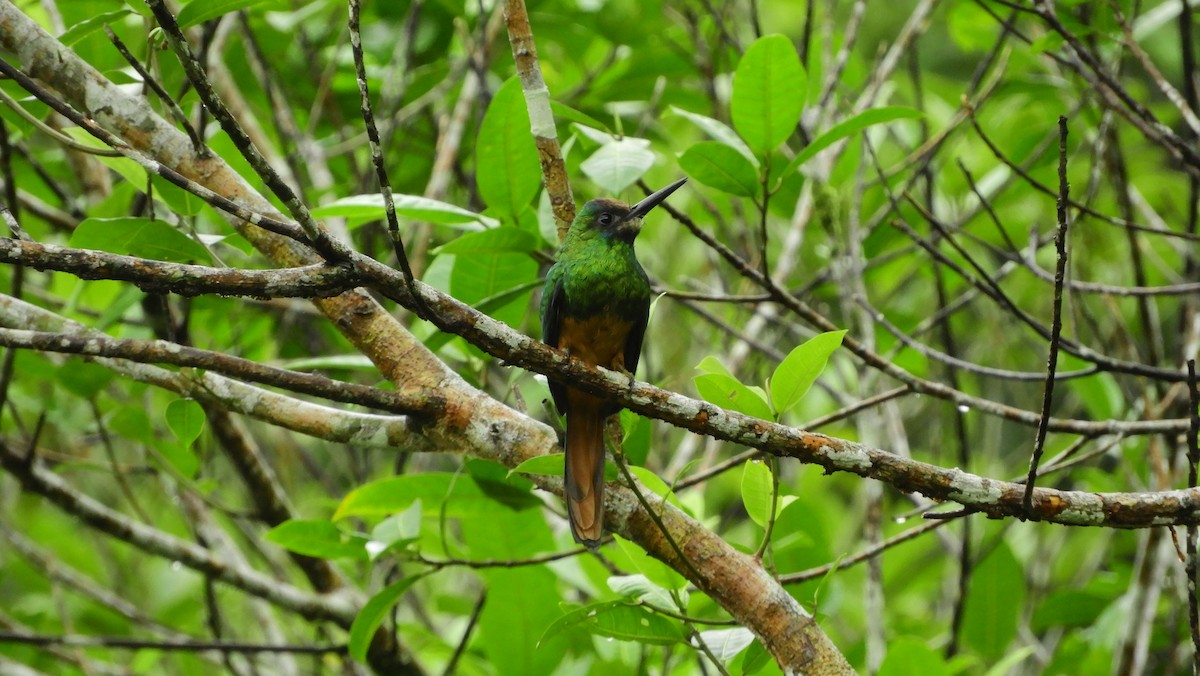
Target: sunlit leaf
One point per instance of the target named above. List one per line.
(768, 93)
(317, 538)
(799, 370)
(728, 392)
(373, 614)
(508, 173)
(756, 491)
(199, 11)
(848, 128)
(141, 237)
(619, 163)
(720, 166)
(370, 206)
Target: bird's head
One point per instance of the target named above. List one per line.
(614, 219)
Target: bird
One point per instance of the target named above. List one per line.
(595, 306)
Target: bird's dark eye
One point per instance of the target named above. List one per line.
(606, 219)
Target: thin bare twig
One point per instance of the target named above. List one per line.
(1060, 272)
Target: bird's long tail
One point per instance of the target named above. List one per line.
(584, 480)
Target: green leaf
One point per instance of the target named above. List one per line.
(1069, 608)
(799, 370)
(1010, 661)
(83, 378)
(506, 239)
(993, 604)
(728, 392)
(656, 571)
(640, 588)
(756, 491)
(621, 621)
(768, 93)
(507, 171)
(565, 112)
(185, 417)
(459, 495)
(91, 25)
(910, 655)
(317, 538)
(181, 458)
(722, 167)
(396, 531)
(638, 435)
(370, 206)
(372, 615)
(654, 484)
(848, 128)
(726, 644)
(554, 464)
(619, 163)
(719, 131)
(139, 237)
(199, 11)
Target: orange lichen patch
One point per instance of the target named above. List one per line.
(1051, 505)
(701, 417)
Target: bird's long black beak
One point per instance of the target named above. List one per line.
(642, 208)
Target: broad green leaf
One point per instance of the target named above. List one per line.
(460, 495)
(83, 378)
(139, 237)
(372, 615)
(848, 128)
(993, 604)
(181, 457)
(499, 284)
(719, 131)
(91, 25)
(756, 491)
(505, 239)
(317, 538)
(726, 644)
(555, 463)
(636, 442)
(395, 531)
(656, 571)
(640, 588)
(185, 417)
(507, 171)
(199, 11)
(910, 655)
(132, 422)
(768, 93)
(728, 392)
(654, 484)
(565, 112)
(1069, 608)
(799, 370)
(344, 362)
(711, 364)
(370, 206)
(1010, 661)
(719, 166)
(619, 163)
(621, 621)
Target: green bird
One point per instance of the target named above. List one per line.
(594, 307)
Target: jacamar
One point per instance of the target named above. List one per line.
(595, 306)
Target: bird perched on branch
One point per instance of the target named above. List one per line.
(594, 307)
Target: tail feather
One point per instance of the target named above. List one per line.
(584, 480)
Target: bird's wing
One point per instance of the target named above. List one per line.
(633, 342)
(554, 304)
